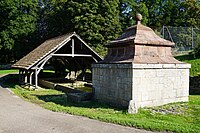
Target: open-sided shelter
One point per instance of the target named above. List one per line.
(69, 48)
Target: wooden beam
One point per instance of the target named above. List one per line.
(41, 63)
(72, 55)
(94, 59)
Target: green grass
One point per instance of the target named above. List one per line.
(8, 71)
(195, 63)
(187, 121)
(185, 117)
(48, 71)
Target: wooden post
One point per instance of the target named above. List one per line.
(26, 76)
(20, 76)
(72, 47)
(36, 78)
(84, 71)
(30, 77)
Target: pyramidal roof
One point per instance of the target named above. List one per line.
(140, 44)
(140, 34)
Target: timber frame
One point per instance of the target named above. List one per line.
(69, 46)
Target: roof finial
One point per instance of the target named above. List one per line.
(138, 18)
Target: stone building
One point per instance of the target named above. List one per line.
(140, 71)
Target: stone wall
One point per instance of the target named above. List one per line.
(141, 85)
(158, 84)
(195, 85)
(113, 83)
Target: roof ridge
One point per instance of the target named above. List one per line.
(56, 37)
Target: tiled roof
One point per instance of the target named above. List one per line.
(140, 44)
(140, 34)
(46, 48)
(40, 52)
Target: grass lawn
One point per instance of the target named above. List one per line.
(8, 71)
(176, 117)
(185, 117)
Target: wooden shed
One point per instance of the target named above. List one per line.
(69, 48)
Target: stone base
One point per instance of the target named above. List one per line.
(79, 97)
(141, 85)
(132, 108)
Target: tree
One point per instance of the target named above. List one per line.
(162, 12)
(18, 20)
(54, 18)
(191, 9)
(128, 10)
(173, 13)
(96, 21)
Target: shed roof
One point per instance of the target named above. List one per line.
(50, 46)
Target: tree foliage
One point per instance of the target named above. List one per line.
(191, 13)
(18, 20)
(128, 10)
(26, 23)
(96, 21)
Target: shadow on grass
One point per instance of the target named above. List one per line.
(9, 80)
(61, 99)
